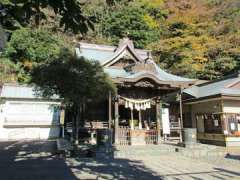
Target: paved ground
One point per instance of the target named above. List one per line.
(29, 160)
(32, 160)
(163, 167)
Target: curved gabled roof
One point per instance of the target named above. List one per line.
(124, 46)
(109, 55)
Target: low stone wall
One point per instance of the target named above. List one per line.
(218, 139)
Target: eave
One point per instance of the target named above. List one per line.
(212, 98)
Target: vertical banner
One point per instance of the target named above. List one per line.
(165, 121)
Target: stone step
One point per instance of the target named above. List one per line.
(149, 150)
(197, 151)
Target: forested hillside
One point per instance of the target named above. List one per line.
(196, 39)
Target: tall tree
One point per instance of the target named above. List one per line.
(17, 13)
(74, 80)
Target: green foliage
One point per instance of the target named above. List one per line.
(198, 39)
(201, 39)
(7, 70)
(132, 21)
(75, 80)
(28, 48)
(188, 38)
(18, 13)
(3, 38)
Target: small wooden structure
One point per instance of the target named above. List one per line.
(135, 112)
(214, 109)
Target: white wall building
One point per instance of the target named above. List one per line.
(24, 115)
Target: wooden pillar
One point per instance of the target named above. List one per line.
(224, 120)
(131, 121)
(181, 116)
(140, 119)
(159, 119)
(110, 110)
(131, 110)
(116, 119)
(62, 119)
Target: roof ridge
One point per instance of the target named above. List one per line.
(96, 46)
(102, 46)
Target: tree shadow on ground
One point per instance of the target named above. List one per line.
(111, 168)
(37, 160)
(232, 156)
(32, 160)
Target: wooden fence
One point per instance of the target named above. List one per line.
(124, 136)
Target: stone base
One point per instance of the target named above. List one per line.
(137, 137)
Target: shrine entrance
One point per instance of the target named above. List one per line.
(142, 118)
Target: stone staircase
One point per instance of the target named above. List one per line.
(147, 150)
(195, 151)
(209, 152)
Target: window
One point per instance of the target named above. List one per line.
(212, 123)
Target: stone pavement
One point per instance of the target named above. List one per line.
(32, 160)
(37, 160)
(162, 167)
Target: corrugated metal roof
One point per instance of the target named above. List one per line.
(94, 55)
(169, 77)
(20, 91)
(116, 73)
(214, 88)
(160, 74)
